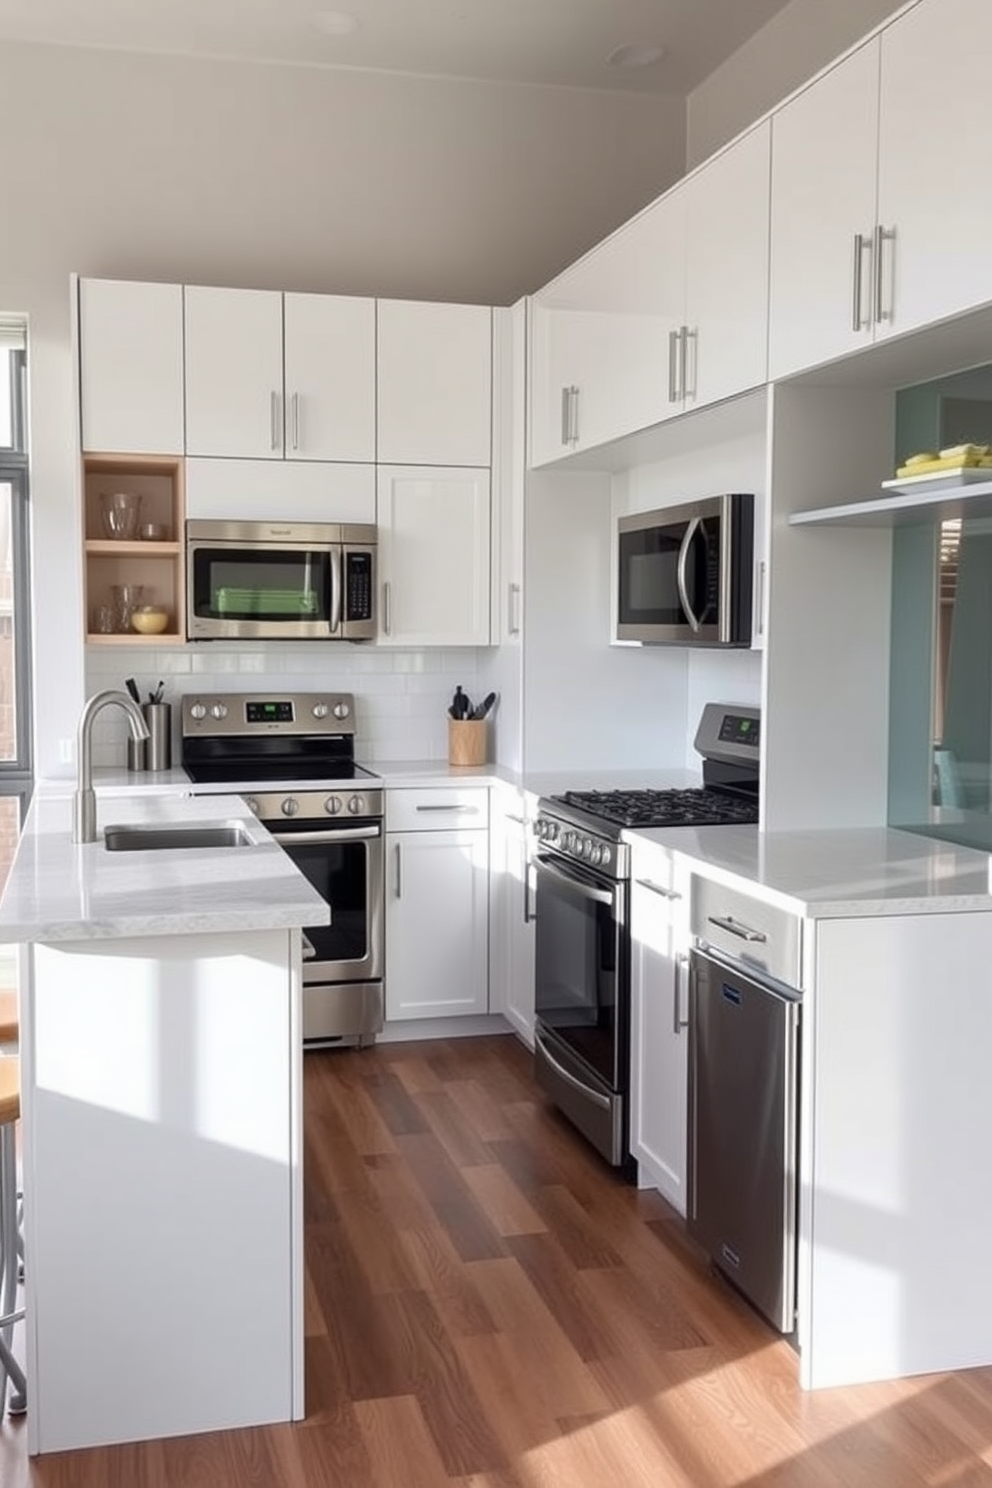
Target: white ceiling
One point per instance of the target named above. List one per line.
(563, 42)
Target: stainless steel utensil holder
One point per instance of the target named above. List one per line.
(158, 745)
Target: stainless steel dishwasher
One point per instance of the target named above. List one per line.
(744, 1093)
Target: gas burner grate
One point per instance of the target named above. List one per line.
(696, 807)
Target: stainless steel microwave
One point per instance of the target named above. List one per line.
(685, 572)
(289, 581)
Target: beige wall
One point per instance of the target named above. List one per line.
(236, 173)
(795, 44)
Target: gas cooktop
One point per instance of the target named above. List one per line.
(697, 807)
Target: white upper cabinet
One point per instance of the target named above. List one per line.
(823, 217)
(131, 367)
(725, 335)
(329, 377)
(434, 546)
(270, 376)
(434, 383)
(234, 385)
(935, 162)
(668, 314)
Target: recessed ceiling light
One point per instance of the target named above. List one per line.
(335, 22)
(635, 54)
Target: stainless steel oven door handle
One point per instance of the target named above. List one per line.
(569, 1078)
(346, 834)
(683, 565)
(337, 559)
(587, 891)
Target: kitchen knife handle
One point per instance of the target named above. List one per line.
(274, 419)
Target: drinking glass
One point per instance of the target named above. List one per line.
(125, 598)
(121, 510)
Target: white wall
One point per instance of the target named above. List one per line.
(233, 173)
(795, 44)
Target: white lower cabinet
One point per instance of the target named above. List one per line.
(511, 904)
(437, 902)
(659, 925)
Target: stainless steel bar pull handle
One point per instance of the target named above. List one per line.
(738, 928)
(573, 415)
(512, 609)
(689, 388)
(456, 806)
(565, 402)
(529, 915)
(603, 1101)
(647, 883)
(681, 980)
(275, 434)
(339, 834)
(336, 590)
(883, 235)
(399, 871)
(674, 340)
(387, 609)
(857, 318)
(296, 421)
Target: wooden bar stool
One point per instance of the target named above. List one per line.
(10, 1111)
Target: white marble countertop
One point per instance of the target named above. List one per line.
(64, 891)
(837, 874)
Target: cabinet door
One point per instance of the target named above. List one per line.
(261, 491)
(434, 383)
(511, 903)
(234, 382)
(433, 556)
(437, 931)
(727, 272)
(659, 1040)
(131, 367)
(935, 159)
(329, 377)
(822, 212)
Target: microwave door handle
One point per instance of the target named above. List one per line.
(683, 565)
(336, 556)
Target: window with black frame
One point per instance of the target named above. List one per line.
(15, 648)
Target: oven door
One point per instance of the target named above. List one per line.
(236, 590)
(581, 984)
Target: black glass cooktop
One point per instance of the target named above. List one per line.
(217, 772)
(697, 807)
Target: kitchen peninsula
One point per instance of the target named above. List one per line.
(161, 1104)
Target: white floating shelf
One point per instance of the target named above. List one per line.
(903, 508)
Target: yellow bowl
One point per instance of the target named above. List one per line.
(149, 619)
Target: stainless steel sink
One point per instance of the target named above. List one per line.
(155, 839)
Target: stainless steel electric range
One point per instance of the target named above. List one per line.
(292, 756)
(582, 871)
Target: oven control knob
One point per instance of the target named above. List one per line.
(290, 806)
(319, 710)
(600, 855)
(219, 710)
(587, 847)
(198, 711)
(252, 804)
(332, 805)
(341, 710)
(356, 805)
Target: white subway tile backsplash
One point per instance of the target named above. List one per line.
(401, 697)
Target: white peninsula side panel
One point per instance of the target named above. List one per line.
(163, 1186)
(897, 1111)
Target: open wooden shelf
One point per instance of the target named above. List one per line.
(157, 565)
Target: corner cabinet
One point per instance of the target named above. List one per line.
(434, 550)
(158, 566)
(659, 923)
(437, 902)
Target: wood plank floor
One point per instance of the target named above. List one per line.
(488, 1306)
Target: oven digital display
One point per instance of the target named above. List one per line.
(737, 730)
(275, 712)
